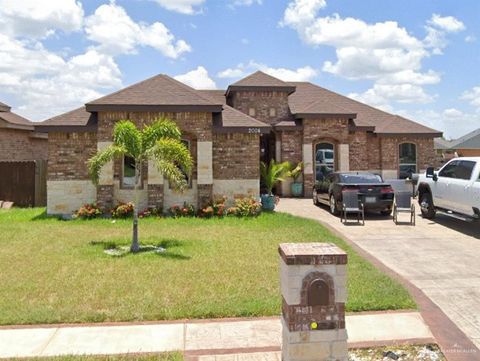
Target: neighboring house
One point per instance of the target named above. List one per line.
(18, 139)
(229, 132)
(466, 146)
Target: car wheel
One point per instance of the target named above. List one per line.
(426, 206)
(386, 213)
(315, 198)
(333, 205)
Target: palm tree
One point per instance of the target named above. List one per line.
(160, 142)
(273, 173)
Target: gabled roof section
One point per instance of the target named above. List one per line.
(78, 119)
(367, 117)
(12, 120)
(233, 120)
(260, 81)
(440, 143)
(468, 141)
(217, 95)
(159, 93)
(4, 107)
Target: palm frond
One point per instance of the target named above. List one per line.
(126, 135)
(273, 172)
(162, 128)
(102, 157)
(172, 157)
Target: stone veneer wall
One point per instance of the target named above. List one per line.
(262, 101)
(236, 165)
(68, 182)
(17, 145)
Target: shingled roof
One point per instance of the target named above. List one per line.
(78, 118)
(160, 92)
(261, 81)
(468, 141)
(12, 120)
(307, 94)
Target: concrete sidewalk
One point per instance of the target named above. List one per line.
(200, 337)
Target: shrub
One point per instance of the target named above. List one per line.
(187, 210)
(216, 209)
(123, 210)
(245, 207)
(88, 211)
(150, 212)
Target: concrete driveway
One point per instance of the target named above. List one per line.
(440, 257)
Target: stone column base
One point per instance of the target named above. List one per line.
(155, 196)
(105, 197)
(205, 192)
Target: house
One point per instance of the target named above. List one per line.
(23, 157)
(228, 132)
(18, 139)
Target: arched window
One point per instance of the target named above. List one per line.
(324, 160)
(407, 155)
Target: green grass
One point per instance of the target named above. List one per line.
(169, 356)
(51, 272)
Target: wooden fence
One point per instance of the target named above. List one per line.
(24, 183)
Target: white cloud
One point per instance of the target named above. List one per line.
(181, 6)
(38, 19)
(246, 2)
(305, 73)
(448, 23)
(470, 39)
(46, 84)
(473, 96)
(197, 78)
(116, 33)
(383, 52)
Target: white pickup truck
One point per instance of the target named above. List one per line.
(454, 189)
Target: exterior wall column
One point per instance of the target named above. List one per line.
(204, 172)
(105, 182)
(155, 184)
(343, 158)
(308, 169)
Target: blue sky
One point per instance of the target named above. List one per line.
(418, 59)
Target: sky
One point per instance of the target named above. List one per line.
(418, 59)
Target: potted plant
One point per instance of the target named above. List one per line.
(272, 174)
(295, 172)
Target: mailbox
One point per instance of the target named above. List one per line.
(313, 287)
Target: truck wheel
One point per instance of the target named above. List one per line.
(426, 206)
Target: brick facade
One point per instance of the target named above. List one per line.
(236, 156)
(291, 146)
(68, 154)
(262, 102)
(389, 149)
(17, 145)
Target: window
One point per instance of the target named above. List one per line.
(273, 112)
(407, 160)
(324, 160)
(459, 169)
(128, 172)
(251, 112)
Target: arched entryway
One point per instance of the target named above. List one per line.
(324, 156)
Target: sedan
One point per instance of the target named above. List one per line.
(372, 191)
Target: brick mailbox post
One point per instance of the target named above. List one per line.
(313, 287)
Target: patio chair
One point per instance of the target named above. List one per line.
(351, 204)
(403, 204)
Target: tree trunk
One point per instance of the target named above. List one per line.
(135, 247)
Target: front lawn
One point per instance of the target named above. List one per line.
(56, 271)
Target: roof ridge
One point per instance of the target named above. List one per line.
(187, 87)
(466, 137)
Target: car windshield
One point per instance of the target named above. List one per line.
(329, 155)
(360, 178)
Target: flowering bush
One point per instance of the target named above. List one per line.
(88, 211)
(123, 210)
(187, 210)
(245, 207)
(216, 209)
(150, 212)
